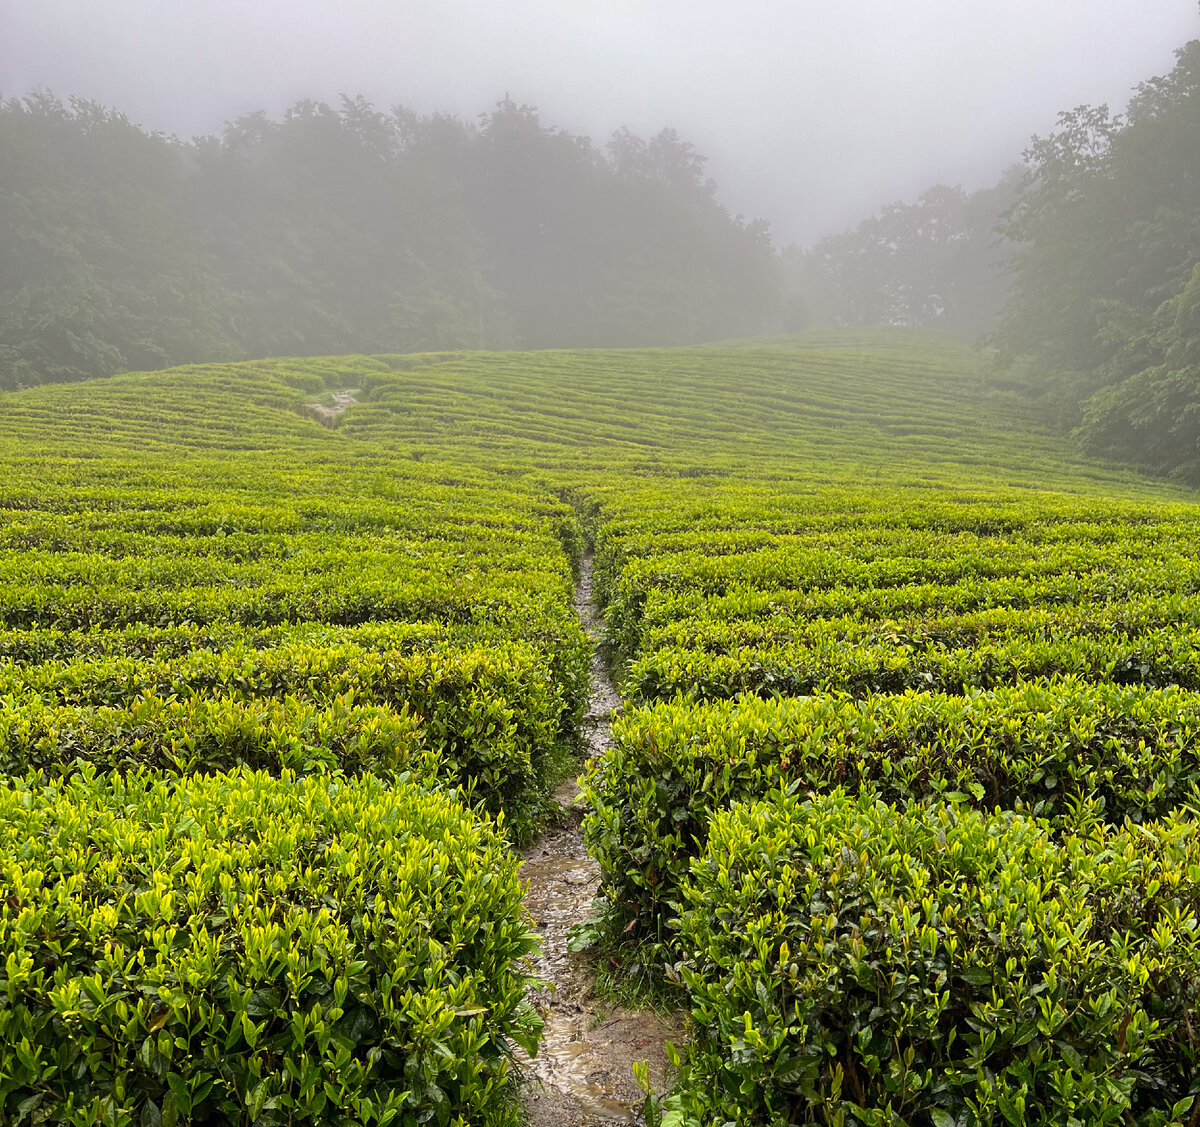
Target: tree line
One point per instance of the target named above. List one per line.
(1079, 271)
(337, 229)
(935, 263)
(1104, 316)
(343, 228)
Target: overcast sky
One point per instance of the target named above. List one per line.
(813, 113)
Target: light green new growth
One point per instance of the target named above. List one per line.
(902, 804)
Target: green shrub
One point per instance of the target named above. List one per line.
(251, 950)
(841, 662)
(563, 645)
(217, 734)
(491, 714)
(1051, 748)
(852, 964)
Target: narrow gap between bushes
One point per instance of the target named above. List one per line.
(583, 1071)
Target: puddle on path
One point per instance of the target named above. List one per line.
(582, 1074)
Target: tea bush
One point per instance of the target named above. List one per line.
(840, 662)
(1054, 749)
(247, 949)
(849, 963)
(561, 645)
(218, 734)
(492, 714)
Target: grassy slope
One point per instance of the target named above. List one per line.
(448, 470)
(808, 427)
(838, 414)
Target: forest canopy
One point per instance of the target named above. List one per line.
(1104, 314)
(344, 228)
(935, 263)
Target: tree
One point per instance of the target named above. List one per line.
(1107, 231)
(342, 228)
(933, 263)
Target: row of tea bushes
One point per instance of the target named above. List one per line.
(905, 802)
(40, 644)
(883, 660)
(559, 644)
(921, 627)
(491, 715)
(244, 948)
(782, 648)
(1105, 594)
(854, 963)
(1064, 750)
(359, 588)
(214, 733)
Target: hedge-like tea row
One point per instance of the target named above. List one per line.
(491, 715)
(852, 964)
(882, 565)
(355, 595)
(1053, 749)
(40, 644)
(1102, 593)
(204, 733)
(835, 662)
(245, 949)
(919, 628)
(561, 643)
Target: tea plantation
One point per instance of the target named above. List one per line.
(902, 804)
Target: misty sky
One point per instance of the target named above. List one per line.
(813, 112)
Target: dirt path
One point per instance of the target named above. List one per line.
(582, 1074)
(327, 413)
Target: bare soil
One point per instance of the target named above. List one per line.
(583, 1072)
(339, 401)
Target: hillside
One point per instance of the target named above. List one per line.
(898, 668)
(891, 406)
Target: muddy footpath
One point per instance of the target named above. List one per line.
(583, 1071)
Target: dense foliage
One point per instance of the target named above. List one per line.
(242, 948)
(1107, 233)
(1039, 654)
(1062, 749)
(936, 262)
(295, 606)
(201, 581)
(833, 564)
(346, 228)
(852, 963)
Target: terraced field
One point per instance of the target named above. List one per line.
(900, 808)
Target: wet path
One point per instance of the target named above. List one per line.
(582, 1074)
